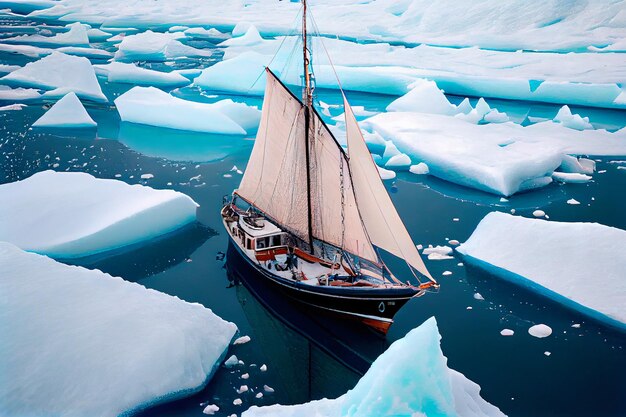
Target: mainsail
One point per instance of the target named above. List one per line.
(381, 220)
(275, 180)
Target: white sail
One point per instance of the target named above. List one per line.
(382, 222)
(275, 180)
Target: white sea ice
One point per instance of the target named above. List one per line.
(151, 106)
(540, 331)
(386, 174)
(397, 384)
(507, 332)
(232, 361)
(130, 73)
(18, 94)
(424, 97)
(478, 296)
(241, 340)
(12, 107)
(251, 37)
(419, 169)
(211, 409)
(573, 121)
(51, 73)
(570, 177)
(57, 362)
(69, 215)
(76, 35)
(440, 250)
(98, 35)
(202, 33)
(558, 259)
(573, 201)
(68, 112)
(156, 46)
(539, 213)
(577, 165)
(399, 161)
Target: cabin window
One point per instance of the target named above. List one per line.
(249, 243)
(275, 240)
(262, 243)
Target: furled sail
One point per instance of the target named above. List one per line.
(275, 180)
(382, 222)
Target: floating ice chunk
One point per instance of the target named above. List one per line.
(398, 385)
(446, 273)
(251, 37)
(248, 117)
(232, 361)
(570, 177)
(259, 395)
(85, 215)
(268, 389)
(85, 332)
(453, 242)
(151, 106)
(386, 174)
(390, 150)
(576, 326)
(147, 176)
(441, 250)
(539, 213)
(423, 97)
(478, 296)
(419, 169)
(577, 165)
(86, 52)
(245, 376)
(241, 340)
(51, 73)
(12, 107)
(242, 389)
(507, 332)
(18, 94)
(68, 112)
(98, 35)
(573, 201)
(211, 409)
(263, 368)
(242, 74)
(549, 258)
(547, 353)
(202, 33)
(540, 330)
(237, 401)
(132, 74)
(483, 113)
(76, 35)
(573, 121)
(156, 46)
(399, 161)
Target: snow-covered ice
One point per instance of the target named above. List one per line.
(156, 46)
(68, 112)
(130, 73)
(386, 174)
(573, 201)
(151, 106)
(571, 177)
(70, 215)
(577, 264)
(76, 36)
(52, 73)
(419, 169)
(211, 409)
(241, 340)
(573, 121)
(102, 346)
(18, 94)
(540, 331)
(411, 379)
(507, 332)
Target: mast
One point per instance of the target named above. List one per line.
(307, 100)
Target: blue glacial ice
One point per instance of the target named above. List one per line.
(70, 215)
(123, 346)
(68, 112)
(579, 264)
(51, 73)
(411, 378)
(151, 106)
(156, 46)
(132, 74)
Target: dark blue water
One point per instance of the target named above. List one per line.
(309, 355)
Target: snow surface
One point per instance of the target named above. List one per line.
(578, 264)
(151, 106)
(130, 73)
(156, 46)
(102, 346)
(67, 112)
(51, 73)
(69, 215)
(410, 379)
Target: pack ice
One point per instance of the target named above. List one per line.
(578, 264)
(68, 215)
(132, 74)
(155, 46)
(103, 346)
(410, 379)
(51, 73)
(151, 106)
(67, 112)
(76, 36)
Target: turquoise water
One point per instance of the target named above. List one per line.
(309, 355)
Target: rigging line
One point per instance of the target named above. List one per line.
(294, 27)
(320, 37)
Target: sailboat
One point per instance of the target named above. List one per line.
(311, 218)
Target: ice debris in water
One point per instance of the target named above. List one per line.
(68, 112)
(237, 401)
(146, 176)
(397, 384)
(131, 74)
(245, 376)
(478, 296)
(438, 253)
(263, 368)
(419, 169)
(386, 174)
(241, 340)
(399, 161)
(556, 257)
(242, 389)
(573, 201)
(507, 332)
(446, 273)
(211, 409)
(156, 46)
(540, 330)
(539, 213)
(76, 35)
(573, 121)
(268, 389)
(68, 377)
(571, 177)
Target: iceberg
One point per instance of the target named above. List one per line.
(411, 378)
(202, 33)
(577, 165)
(573, 121)
(72, 214)
(424, 97)
(251, 37)
(104, 346)
(151, 106)
(67, 112)
(576, 264)
(51, 73)
(76, 36)
(132, 74)
(155, 46)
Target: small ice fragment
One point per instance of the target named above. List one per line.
(419, 247)
(507, 332)
(237, 401)
(259, 395)
(263, 368)
(468, 308)
(241, 340)
(419, 169)
(477, 296)
(446, 273)
(242, 389)
(227, 176)
(456, 219)
(547, 353)
(211, 409)
(234, 168)
(55, 165)
(441, 250)
(245, 376)
(240, 362)
(576, 325)
(539, 213)
(118, 175)
(503, 200)
(196, 178)
(512, 211)
(540, 331)
(268, 389)
(572, 201)
(454, 242)
(232, 361)
(459, 264)
(146, 176)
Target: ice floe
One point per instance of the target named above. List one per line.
(163, 347)
(68, 215)
(151, 106)
(76, 36)
(52, 73)
(67, 112)
(540, 331)
(251, 37)
(130, 73)
(410, 378)
(18, 94)
(575, 263)
(571, 177)
(419, 169)
(156, 46)
(386, 174)
(573, 121)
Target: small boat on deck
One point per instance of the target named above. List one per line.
(312, 218)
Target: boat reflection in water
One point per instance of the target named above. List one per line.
(320, 354)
